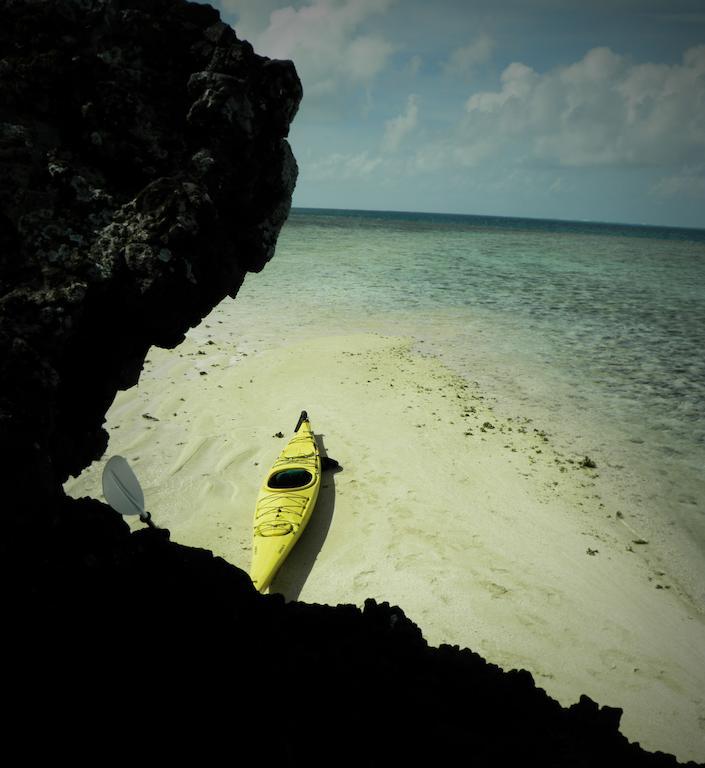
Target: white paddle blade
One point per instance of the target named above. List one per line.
(121, 488)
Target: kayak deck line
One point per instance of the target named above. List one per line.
(284, 508)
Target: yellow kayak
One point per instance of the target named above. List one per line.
(285, 503)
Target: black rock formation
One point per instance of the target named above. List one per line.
(143, 170)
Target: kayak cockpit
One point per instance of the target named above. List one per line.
(289, 479)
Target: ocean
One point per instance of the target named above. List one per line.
(595, 332)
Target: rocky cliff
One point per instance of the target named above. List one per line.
(144, 169)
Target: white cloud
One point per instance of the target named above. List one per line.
(689, 183)
(447, 152)
(601, 110)
(431, 157)
(367, 55)
(414, 65)
(463, 61)
(398, 127)
(471, 155)
(340, 167)
(326, 39)
(518, 81)
(557, 185)
(252, 17)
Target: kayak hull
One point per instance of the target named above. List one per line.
(285, 504)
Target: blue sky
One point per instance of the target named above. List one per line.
(568, 109)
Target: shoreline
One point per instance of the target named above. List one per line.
(492, 540)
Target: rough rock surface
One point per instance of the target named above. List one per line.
(143, 171)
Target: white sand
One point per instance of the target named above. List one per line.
(481, 538)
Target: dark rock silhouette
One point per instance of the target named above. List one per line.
(143, 170)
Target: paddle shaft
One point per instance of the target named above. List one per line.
(148, 519)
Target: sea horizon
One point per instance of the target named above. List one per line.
(699, 232)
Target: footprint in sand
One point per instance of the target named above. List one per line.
(203, 450)
(232, 456)
(216, 489)
(407, 561)
(188, 452)
(496, 590)
(361, 581)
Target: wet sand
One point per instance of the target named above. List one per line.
(484, 533)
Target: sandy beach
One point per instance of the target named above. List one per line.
(486, 534)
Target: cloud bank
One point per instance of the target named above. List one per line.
(601, 110)
(398, 127)
(463, 61)
(325, 38)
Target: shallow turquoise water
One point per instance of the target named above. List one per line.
(596, 330)
(620, 310)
